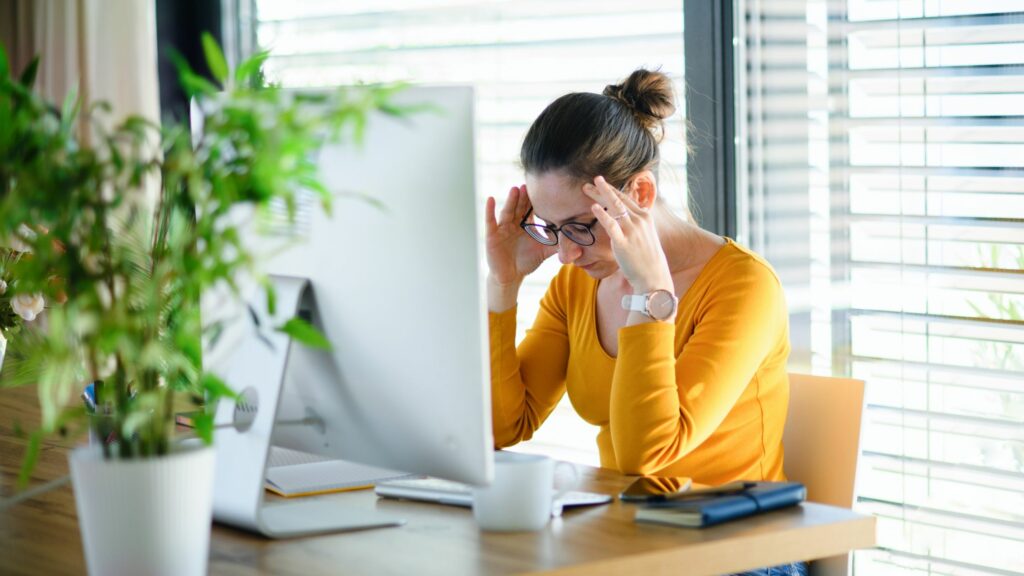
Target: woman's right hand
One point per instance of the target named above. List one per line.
(511, 253)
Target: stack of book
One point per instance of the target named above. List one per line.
(700, 508)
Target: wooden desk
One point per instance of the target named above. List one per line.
(41, 536)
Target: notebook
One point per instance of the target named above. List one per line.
(701, 511)
(291, 473)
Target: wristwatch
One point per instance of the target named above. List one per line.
(659, 304)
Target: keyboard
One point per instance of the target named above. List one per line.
(457, 494)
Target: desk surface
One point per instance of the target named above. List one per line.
(41, 536)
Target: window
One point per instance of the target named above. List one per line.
(519, 55)
(885, 181)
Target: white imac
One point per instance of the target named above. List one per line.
(399, 292)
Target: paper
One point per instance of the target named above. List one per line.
(325, 476)
(288, 457)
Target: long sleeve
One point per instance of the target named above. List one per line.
(526, 384)
(664, 402)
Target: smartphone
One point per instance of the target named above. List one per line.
(721, 490)
(653, 489)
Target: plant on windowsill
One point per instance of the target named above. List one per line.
(129, 275)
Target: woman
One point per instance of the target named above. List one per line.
(671, 339)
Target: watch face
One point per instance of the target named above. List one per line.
(662, 304)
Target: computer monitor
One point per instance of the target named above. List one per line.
(399, 292)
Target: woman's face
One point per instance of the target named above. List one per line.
(557, 199)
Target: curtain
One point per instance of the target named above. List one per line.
(101, 51)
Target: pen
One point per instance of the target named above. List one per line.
(88, 396)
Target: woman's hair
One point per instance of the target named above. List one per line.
(614, 134)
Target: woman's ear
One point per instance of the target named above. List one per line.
(644, 189)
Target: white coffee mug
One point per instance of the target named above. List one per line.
(522, 496)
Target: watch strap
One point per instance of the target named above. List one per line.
(635, 302)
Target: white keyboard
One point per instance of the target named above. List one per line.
(458, 494)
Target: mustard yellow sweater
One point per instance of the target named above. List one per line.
(705, 398)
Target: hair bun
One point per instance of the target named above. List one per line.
(648, 94)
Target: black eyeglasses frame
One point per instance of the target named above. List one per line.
(528, 226)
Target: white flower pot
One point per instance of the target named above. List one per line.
(145, 516)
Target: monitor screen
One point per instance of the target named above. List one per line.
(399, 292)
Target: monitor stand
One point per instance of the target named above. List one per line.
(243, 431)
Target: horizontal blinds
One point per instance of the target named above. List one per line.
(785, 201)
(520, 55)
(919, 106)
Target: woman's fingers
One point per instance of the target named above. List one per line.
(522, 204)
(619, 198)
(607, 197)
(609, 223)
(508, 211)
(621, 195)
(489, 218)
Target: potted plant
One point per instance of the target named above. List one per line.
(128, 276)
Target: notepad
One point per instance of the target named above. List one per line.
(321, 477)
(701, 511)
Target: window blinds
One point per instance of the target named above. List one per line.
(520, 55)
(885, 181)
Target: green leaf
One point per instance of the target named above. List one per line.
(358, 128)
(179, 61)
(402, 110)
(216, 388)
(28, 76)
(135, 421)
(215, 58)
(5, 67)
(304, 333)
(69, 111)
(194, 84)
(363, 197)
(31, 456)
(250, 69)
(268, 286)
(318, 187)
(191, 82)
(203, 424)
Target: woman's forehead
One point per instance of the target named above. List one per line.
(557, 197)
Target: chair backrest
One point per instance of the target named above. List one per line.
(822, 443)
(822, 436)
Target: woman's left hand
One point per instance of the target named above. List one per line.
(634, 236)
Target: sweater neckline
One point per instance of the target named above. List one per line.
(683, 299)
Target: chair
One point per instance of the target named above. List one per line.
(822, 442)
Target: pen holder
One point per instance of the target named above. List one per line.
(101, 429)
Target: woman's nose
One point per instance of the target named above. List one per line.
(568, 251)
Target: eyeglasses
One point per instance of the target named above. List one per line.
(547, 234)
